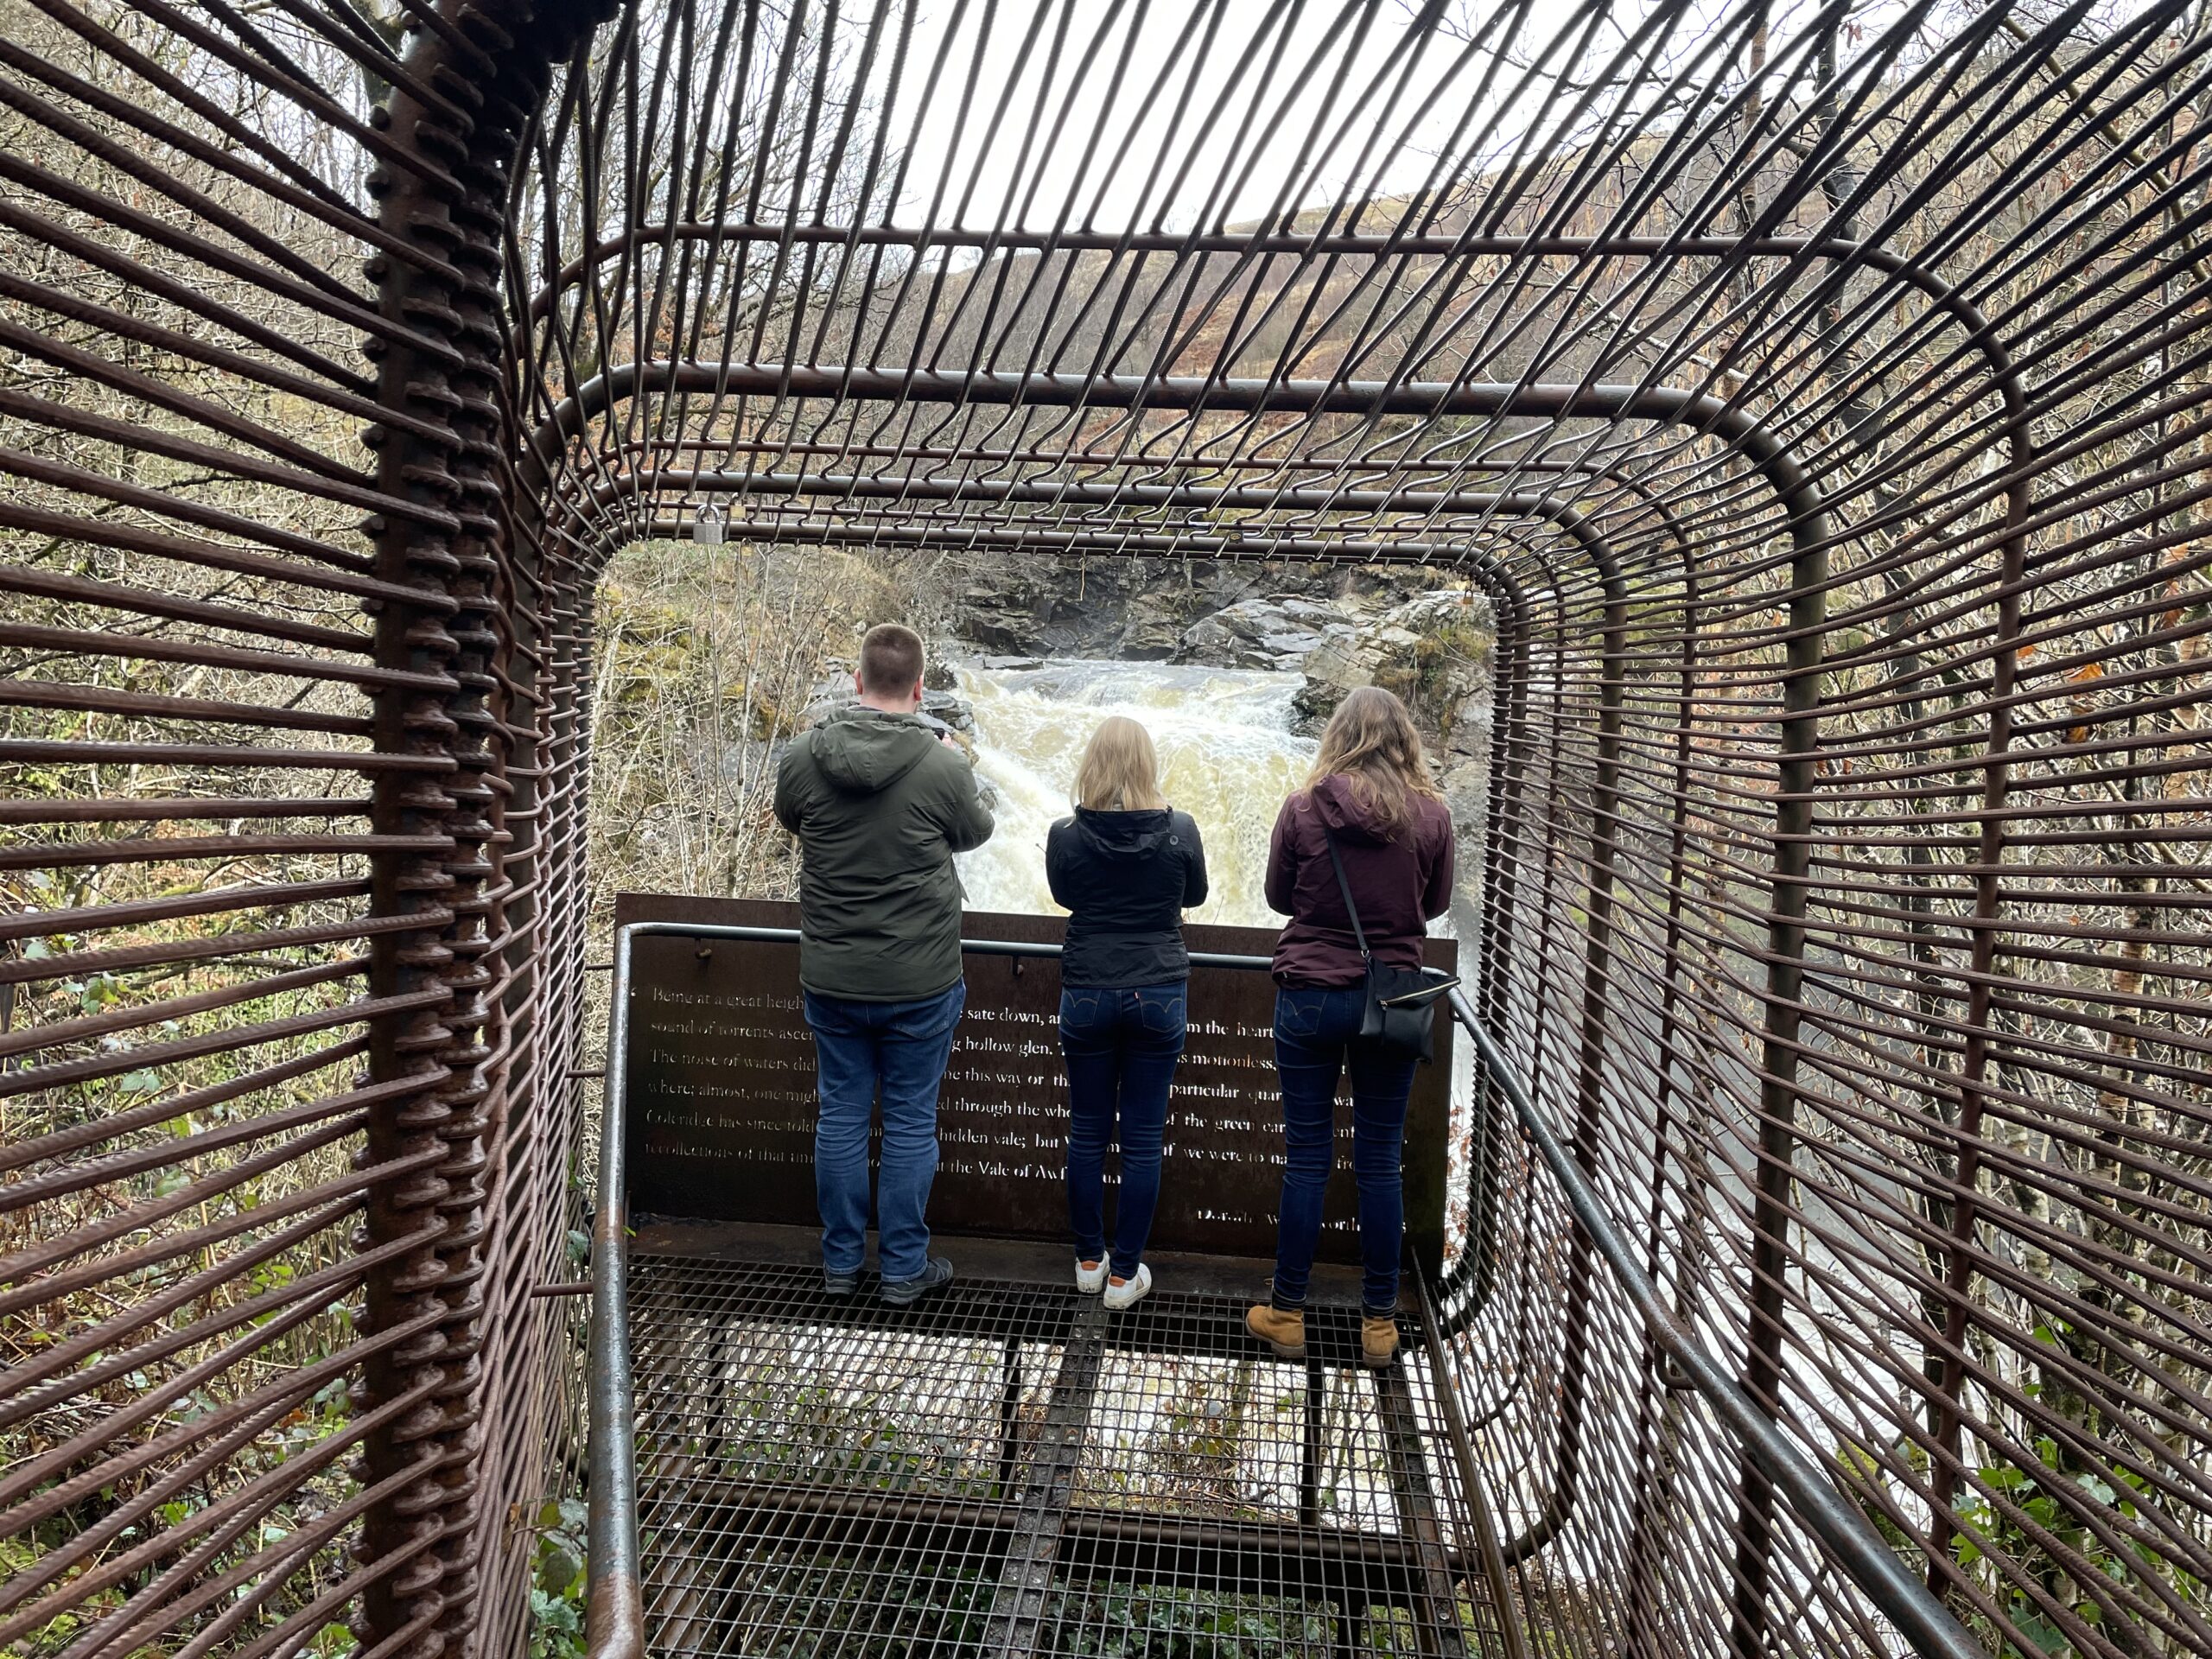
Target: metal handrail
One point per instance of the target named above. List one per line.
(614, 1622)
(1871, 1564)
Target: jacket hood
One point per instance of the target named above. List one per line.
(1340, 808)
(1123, 835)
(862, 751)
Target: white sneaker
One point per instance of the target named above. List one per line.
(1091, 1281)
(1130, 1294)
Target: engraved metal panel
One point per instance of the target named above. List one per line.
(721, 1087)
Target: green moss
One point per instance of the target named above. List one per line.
(1438, 656)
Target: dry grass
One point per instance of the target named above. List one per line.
(707, 660)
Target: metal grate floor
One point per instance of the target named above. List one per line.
(1008, 1469)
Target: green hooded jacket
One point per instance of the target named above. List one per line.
(880, 807)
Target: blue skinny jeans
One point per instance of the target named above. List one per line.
(1120, 1048)
(1317, 1040)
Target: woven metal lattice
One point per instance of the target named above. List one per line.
(1013, 1470)
(1819, 391)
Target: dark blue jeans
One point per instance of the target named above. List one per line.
(1316, 1040)
(897, 1050)
(1120, 1048)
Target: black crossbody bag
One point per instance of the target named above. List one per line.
(1400, 1015)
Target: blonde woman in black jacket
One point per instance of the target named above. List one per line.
(1127, 866)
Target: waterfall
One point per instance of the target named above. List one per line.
(1227, 754)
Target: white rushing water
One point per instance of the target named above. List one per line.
(1227, 756)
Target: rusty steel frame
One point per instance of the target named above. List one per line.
(1820, 400)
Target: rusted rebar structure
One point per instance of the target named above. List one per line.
(1819, 392)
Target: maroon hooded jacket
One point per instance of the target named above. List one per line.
(1398, 884)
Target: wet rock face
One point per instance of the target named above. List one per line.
(1435, 652)
(1136, 610)
(1000, 622)
(1279, 632)
(1156, 620)
(1047, 608)
(953, 710)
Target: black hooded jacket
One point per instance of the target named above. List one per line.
(1128, 877)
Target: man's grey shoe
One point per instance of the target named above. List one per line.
(900, 1291)
(839, 1284)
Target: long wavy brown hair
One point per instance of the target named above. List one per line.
(1372, 745)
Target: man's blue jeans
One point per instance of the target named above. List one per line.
(1120, 1048)
(898, 1050)
(1316, 1040)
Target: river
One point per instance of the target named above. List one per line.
(1227, 757)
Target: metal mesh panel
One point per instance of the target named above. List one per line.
(1819, 393)
(1010, 1469)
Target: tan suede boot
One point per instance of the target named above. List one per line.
(1378, 1340)
(1284, 1332)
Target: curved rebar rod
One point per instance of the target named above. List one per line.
(1923, 1619)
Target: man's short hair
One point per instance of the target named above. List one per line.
(891, 659)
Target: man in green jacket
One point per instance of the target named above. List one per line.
(880, 800)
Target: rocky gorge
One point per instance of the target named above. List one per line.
(1235, 668)
(1407, 630)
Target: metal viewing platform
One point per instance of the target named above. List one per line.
(1005, 1468)
(1814, 1227)
(1008, 1468)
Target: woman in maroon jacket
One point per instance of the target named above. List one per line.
(1370, 792)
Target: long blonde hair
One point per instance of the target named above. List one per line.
(1371, 743)
(1119, 772)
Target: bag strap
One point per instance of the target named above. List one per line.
(1344, 885)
